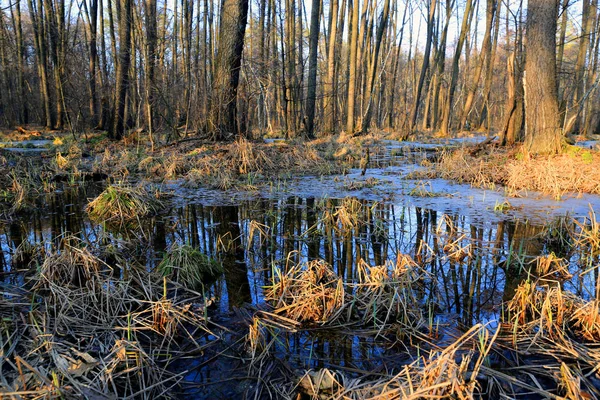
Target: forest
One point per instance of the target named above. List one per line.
(270, 68)
(299, 199)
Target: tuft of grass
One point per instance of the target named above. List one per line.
(189, 267)
(120, 206)
(71, 267)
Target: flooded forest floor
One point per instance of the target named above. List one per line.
(332, 269)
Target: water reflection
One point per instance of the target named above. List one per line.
(477, 264)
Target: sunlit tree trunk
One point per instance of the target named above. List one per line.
(543, 133)
(424, 67)
(352, 78)
(383, 19)
(486, 51)
(330, 83)
(468, 14)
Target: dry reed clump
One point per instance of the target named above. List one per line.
(386, 293)
(122, 206)
(189, 267)
(165, 167)
(248, 157)
(310, 292)
(344, 216)
(552, 267)
(381, 297)
(550, 312)
(70, 267)
(450, 373)
(556, 175)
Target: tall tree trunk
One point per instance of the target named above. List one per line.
(125, 15)
(92, 13)
(330, 85)
(391, 103)
(37, 20)
(55, 18)
(424, 67)
(543, 133)
(574, 122)
(150, 13)
(561, 50)
(486, 52)
(312, 67)
(468, 14)
(440, 66)
(223, 115)
(489, 68)
(352, 78)
(23, 108)
(383, 19)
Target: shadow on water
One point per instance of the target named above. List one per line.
(477, 263)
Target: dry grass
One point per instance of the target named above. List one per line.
(308, 293)
(448, 373)
(549, 311)
(81, 332)
(571, 172)
(383, 296)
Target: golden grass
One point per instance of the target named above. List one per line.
(449, 373)
(552, 312)
(307, 293)
(382, 296)
(571, 172)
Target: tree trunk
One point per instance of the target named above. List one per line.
(23, 108)
(424, 67)
(445, 127)
(37, 20)
(312, 67)
(352, 72)
(486, 52)
(223, 107)
(373, 70)
(125, 15)
(574, 122)
(93, 57)
(543, 133)
(330, 87)
(150, 13)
